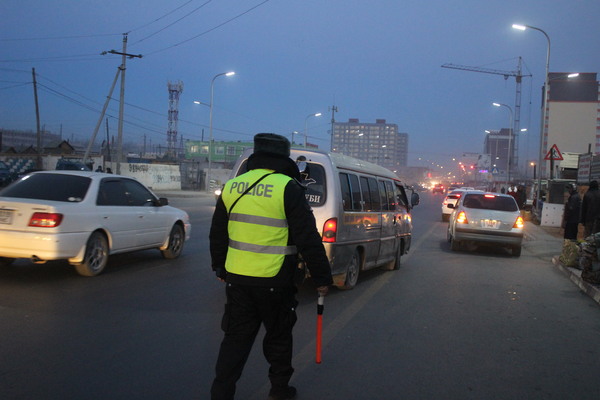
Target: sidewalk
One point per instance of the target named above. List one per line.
(546, 243)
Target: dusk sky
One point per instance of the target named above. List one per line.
(376, 59)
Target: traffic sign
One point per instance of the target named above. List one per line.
(495, 171)
(554, 154)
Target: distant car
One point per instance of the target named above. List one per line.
(6, 176)
(483, 217)
(218, 191)
(451, 198)
(438, 188)
(84, 217)
(71, 165)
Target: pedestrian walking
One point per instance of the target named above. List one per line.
(590, 209)
(520, 196)
(572, 213)
(261, 223)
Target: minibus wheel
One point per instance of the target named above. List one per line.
(352, 271)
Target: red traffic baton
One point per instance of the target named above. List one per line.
(319, 327)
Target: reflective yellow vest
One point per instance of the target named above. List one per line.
(258, 230)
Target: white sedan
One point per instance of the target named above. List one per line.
(488, 218)
(83, 217)
(451, 198)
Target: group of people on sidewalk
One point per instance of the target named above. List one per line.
(516, 191)
(585, 211)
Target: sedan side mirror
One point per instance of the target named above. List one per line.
(163, 201)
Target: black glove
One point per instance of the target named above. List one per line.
(221, 273)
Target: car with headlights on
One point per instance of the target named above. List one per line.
(438, 188)
(451, 198)
(83, 217)
(486, 218)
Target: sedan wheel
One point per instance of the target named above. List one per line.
(5, 261)
(455, 245)
(96, 256)
(352, 272)
(516, 251)
(176, 240)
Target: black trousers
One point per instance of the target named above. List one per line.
(571, 230)
(247, 308)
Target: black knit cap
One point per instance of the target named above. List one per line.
(272, 145)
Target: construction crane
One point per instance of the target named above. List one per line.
(506, 74)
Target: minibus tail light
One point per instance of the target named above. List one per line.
(330, 230)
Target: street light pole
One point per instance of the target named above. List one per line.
(306, 125)
(210, 129)
(510, 129)
(545, 105)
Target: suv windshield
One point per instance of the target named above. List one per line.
(490, 202)
(53, 187)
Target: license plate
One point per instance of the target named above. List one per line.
(490, 223)
(6, 216)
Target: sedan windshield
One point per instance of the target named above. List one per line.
(490, 202)
(53, 187)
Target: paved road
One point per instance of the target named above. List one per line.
(478, 325)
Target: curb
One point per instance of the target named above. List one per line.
(574, 275)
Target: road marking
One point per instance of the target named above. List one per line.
(306, 356)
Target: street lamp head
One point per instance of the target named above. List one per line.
(318, 114)
(497, 104)
(229, 73)
(519, 27)
(573, 75)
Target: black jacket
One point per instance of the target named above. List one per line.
(590, 206)
(302, 233)
(573, 209)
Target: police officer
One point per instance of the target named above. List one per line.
(261, 223)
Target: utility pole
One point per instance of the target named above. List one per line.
(333, 110)
(122, 97)
(89, 148)
(37, 120)
(107, 144)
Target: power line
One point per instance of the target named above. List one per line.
(173, 23)
(58, 37)
(74, 57)
(209, 30)
(164, 16)
(14, 86)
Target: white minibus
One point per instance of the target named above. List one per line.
(361, 209)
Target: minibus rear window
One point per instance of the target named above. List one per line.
(313, 178)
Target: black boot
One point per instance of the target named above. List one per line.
(282, 394)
